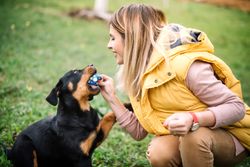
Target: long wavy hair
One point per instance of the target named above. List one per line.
(139, 26)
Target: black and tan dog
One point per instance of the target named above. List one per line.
(69, 138)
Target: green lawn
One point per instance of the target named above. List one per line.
(39, 42)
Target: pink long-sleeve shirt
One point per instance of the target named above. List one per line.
(225, 105)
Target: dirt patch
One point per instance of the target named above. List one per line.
(243, 5)
(90, 14)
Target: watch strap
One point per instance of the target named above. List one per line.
(195, 118)
(195, 124)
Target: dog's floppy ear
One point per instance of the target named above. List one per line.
(52, 98)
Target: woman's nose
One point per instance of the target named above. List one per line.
(109, 46)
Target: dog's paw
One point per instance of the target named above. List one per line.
(110, 117)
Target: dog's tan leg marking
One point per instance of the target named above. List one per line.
(106, 125)
(87, 144)
(35, 159)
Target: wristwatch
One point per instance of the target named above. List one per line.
(195, 124)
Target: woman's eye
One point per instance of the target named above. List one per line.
(111, 38)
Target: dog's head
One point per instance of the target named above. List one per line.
(73, 89)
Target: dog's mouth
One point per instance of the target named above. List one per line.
(93, 81)
(93, 87)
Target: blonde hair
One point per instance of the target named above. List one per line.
(139, 25)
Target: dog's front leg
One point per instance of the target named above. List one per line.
(106, 125)
(96, 137)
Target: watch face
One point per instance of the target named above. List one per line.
(195, 126)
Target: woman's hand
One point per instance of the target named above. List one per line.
(107, 87)
(179, 124)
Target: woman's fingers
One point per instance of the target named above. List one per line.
(178, 123)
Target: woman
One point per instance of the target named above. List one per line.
(180, 92)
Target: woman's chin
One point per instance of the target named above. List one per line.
(119, 62)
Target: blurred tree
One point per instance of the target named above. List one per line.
(99, 11)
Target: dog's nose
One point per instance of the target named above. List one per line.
(91, 64)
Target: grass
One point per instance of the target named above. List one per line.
(39, 43)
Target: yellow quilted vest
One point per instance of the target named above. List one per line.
(164, 91)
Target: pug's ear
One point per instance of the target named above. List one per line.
(52, 98)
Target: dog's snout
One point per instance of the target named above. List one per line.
(90, 69)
